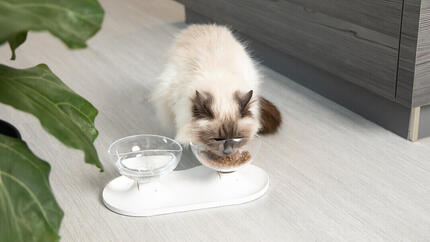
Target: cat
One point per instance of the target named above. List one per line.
(208, 90)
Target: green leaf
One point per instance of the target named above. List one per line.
(28, 209)
(16, 41)
(62, 112)
(73, 21)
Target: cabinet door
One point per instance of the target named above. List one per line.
(357, 40)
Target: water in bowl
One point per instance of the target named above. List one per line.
(143, 167)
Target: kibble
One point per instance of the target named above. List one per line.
(234, 160)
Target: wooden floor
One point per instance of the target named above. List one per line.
(334, 175)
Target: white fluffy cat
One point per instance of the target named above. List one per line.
(209, 89)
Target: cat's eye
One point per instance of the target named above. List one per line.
(222, 139)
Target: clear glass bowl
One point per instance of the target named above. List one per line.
(227, 155)
(145, 157)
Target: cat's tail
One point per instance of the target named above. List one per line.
(270, 117)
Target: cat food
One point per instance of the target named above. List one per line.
(234, 160)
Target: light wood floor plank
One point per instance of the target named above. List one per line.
(334, 175)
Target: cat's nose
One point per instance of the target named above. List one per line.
(228, 150)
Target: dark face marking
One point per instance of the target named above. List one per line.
(244, 101)
(201, 106)
(228, 130)
(220, 131)
(217, 133)
(218, 137)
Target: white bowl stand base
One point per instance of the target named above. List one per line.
(185, 190)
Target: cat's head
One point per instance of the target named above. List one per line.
(224, 125)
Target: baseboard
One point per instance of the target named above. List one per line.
(384, 112)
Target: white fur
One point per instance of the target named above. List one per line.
(206, 58)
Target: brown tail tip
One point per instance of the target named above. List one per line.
(270, 117)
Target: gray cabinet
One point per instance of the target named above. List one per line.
(345, 46)
(342, 37)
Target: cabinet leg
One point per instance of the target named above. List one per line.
(414, 124)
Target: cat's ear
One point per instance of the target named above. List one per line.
(202, 106)
(244, 100)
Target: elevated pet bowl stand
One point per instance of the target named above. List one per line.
(195, 188)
